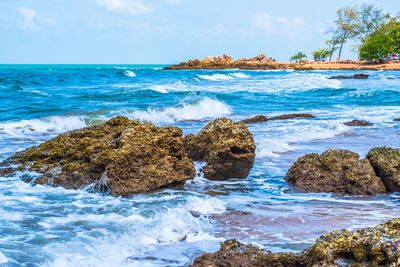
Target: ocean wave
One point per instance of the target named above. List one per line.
(196, 110)
(52, 124)
(129, 74)
(240, 75)
(216, 77)
(3, 258)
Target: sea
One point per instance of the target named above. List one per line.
(46, 226)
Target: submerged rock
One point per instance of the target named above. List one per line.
(386, 162)
(226, 146)
(339, 171)
(355, 76)
(292, 116)
(121, 155)
(262, 118)
(398, 119)
(358, 123)
(375, 246)
(255, 119)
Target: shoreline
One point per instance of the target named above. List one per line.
(261, 62)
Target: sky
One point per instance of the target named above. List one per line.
(165, 31)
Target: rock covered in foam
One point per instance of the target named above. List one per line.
(226, 146)
(121, 155)
(339, 171)
(386, 162)
(375, 246)
(262, 118)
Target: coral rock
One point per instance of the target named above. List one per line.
(226, 146)
(339, 171)
(121, 156)
(386, 162)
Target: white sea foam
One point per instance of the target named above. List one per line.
(52, 124)
(240, 75)
(280, 137)
(3, 258)
(197, 110)
(129, 73)
(160, 88)
(216, 77)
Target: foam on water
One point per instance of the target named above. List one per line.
(197, 110)
(240, 75)
(216, 77)
(3, 258)
(51, 124)
(129, 73)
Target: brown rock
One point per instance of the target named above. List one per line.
(386, 163)
(258, 118)
(355, 76)
(339, 171)
(291, 116)
(358, 123)
(375, 246)
(226, 146)
(398, 119)
(122, 156)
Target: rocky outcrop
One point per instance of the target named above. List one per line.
(386, 162)
(121, 156)
(255, 119)
(355, 76)
(358, 123)
(262, 118)
(397, 119)
(376, 246)
(339, 171)
(226, 146)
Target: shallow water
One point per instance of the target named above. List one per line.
(45, 226)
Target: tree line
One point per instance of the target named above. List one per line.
(376, 34)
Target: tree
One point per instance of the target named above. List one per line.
(346, 26)
(379, 45)
(323, 52)
(370, 20)
(332, 45)
(298, 56)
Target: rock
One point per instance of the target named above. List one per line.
(338, 171)
(375, 246)
(258, 118)
(262, 118)
(219, 60)
(226, 146)
(123, 156)
(355, 76)
(358, 123)
(398, 119)
(292, 116)
(386, 163)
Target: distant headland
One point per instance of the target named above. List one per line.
(262, 62)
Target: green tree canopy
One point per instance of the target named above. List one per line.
(323, 52)
(381, 44)
(298, 56)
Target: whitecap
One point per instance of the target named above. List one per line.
(129, 73)
(3, 258)
(216, 77)
(240, 75)
(197, 110)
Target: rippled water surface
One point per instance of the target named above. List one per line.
(45, 226)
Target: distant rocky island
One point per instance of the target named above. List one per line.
(262, 62)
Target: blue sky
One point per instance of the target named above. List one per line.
(164, 31)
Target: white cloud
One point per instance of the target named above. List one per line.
(125, 6)
(29, 18)
(290, 27)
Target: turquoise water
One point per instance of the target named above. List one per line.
(45, 226)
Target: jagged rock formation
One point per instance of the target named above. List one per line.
(226, 146)
(386, 162)
(123, 156)
(339, 171)
(375, 246)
